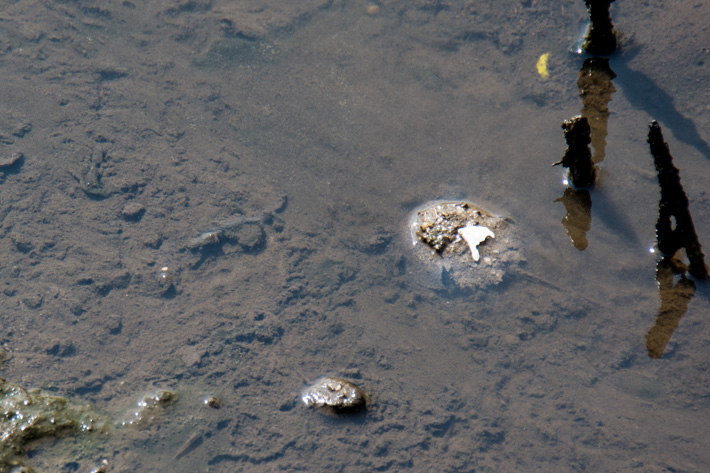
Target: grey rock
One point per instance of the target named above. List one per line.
(335, 394)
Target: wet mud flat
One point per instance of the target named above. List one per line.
(211, 199)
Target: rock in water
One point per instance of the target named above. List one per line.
(461, 246)
(335, 394)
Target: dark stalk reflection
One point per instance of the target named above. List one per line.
(578, 221)
(675, 299)
(596, 88)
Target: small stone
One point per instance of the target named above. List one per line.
(22, 243)
(133, 211)
(102, 467)
(213, 402)
(205, 240)
(335, 394)
(192, 356)
(113, 324)
(62, 349)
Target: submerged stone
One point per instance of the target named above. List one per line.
(461, 246)
(335, 394)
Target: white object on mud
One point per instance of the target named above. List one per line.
(474, 236)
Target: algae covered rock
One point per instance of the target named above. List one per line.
(27, 415)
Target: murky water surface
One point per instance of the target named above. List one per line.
(212, 211)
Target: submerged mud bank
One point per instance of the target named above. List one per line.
(213, 200)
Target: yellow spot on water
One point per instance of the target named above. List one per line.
(542, 66)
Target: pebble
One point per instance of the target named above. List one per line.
(213, 402)
(335, 394)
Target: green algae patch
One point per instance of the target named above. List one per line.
(29, 415)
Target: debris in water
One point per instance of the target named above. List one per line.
(674, 232)
(474, 236)
(29, 415)
(542, 66)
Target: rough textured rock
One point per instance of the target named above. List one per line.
(30, 415)
(461, 246)
(335, 394)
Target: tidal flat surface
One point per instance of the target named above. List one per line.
(213, 201)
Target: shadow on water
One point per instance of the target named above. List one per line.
(644, 94)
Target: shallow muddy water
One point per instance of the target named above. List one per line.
(214, 202)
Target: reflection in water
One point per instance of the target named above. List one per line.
(674, 231)
(595, 89)
(578, 220)
(674, 305)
